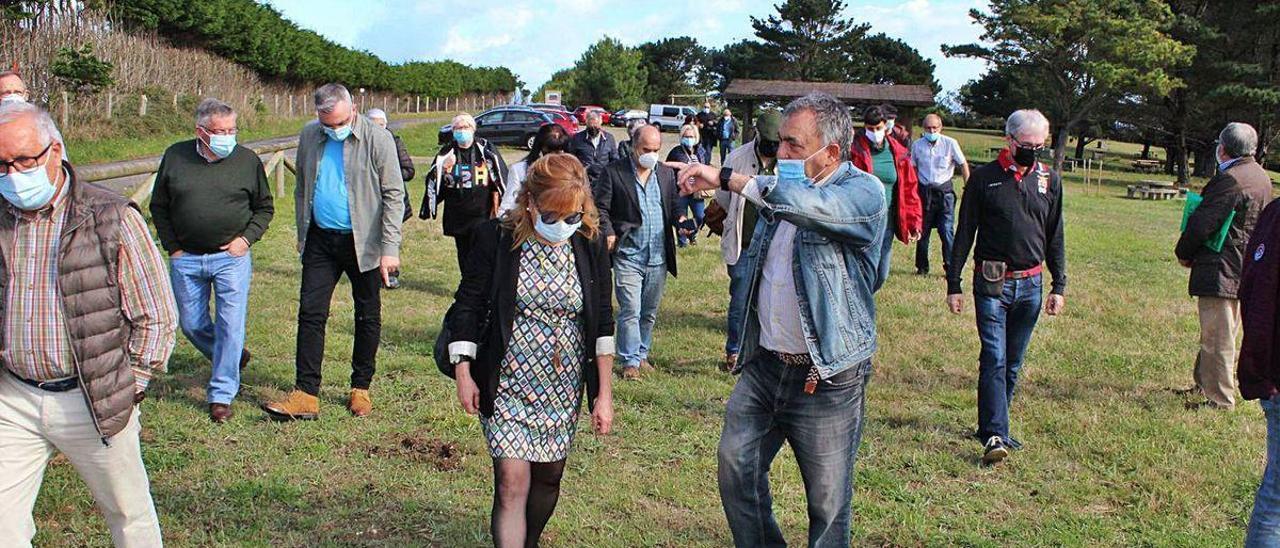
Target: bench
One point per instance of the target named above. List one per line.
(1148, 166)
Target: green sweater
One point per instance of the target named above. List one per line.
(198, 206)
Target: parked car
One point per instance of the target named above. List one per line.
(669, 116)
(623, 117)
(549, 107)
(581, 113)
(508, 125)
(565, 120)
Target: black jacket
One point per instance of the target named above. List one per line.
(619, 206)
(406, 173)
(1259, 370)
(594, 158)
(1244, 188)
(494, 260)
(464, 208)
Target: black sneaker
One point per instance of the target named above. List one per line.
(994, 451)
(922, 272)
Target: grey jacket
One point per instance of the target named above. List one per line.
(375, 188)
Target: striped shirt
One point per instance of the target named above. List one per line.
(38, 345)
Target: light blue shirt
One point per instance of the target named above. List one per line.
(329, 208)
(644, 245)
(936, 162)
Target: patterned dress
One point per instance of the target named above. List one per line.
(539, 390)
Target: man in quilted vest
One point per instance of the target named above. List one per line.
(86, 318)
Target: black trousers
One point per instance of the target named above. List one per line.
(327, 256)
(463, 244)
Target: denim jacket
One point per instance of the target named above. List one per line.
(839, 227)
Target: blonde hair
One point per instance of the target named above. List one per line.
(555, 183)
(697, 137)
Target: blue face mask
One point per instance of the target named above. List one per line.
(793, 170)
(29, 189)
(222, 145)
(932, 137)
(688, 141)
(463, 136)
(556, 232)
(888, 125)
(339, 134)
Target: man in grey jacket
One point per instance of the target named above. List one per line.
(350, 203)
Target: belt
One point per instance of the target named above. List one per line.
(64, 385)
(1021, 274)
(801, 360)
(324, 230)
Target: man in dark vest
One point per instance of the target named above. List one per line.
(88, 317)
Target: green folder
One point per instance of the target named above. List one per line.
(1216, 240)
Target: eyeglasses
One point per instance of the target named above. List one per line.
(231, 131)
(24, 164)
(551, 217)
(1021, 144)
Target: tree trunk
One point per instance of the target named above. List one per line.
(1060, 147)
(1081, 143)
(1205, 162)
(1146, 149)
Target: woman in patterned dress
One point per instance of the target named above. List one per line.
(532, 328)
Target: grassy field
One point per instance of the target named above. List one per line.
(1112, 457)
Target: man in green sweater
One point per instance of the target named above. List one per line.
(211, 202)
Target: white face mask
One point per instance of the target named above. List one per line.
(12, 98)
(648, 161)
(876, 135)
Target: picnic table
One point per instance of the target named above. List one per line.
(1148, 166)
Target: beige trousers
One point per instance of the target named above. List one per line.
(33, 424)
(1216, 362)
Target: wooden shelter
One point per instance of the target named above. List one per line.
(908, 99)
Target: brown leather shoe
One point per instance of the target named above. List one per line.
(631, 373)
(298, 405)
(219, 412)
(360, 404)
(730, 360)
(646, 367)
(245, 356)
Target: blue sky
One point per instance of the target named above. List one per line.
(535, 38)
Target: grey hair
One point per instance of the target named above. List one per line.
(832, 116)
(594, 115)
(376, 113)
(1238, 140)
(46, 130)
(329, 95)
(634, 123)
(635, 132)
(1023, 122)
(211, 108)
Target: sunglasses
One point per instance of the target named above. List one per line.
(553, 218)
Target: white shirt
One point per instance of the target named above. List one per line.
(936, 162)
(779, 308)
(515, 180)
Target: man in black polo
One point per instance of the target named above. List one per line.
(1014, 208)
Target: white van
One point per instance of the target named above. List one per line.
(669, 116)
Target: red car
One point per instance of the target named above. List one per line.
(581, 113)
(564, 120)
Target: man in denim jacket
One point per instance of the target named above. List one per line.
(809, 331)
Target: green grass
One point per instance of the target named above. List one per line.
(1112, 457)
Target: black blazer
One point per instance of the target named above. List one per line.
(493, 261)
(619, 205)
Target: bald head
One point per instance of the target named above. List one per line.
(645, 139)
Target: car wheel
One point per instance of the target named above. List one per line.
(528, 141)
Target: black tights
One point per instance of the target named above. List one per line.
(524, 496)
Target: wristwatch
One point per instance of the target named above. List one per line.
(725, 174)
(459, 358)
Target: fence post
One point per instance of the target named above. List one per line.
(175, 101)
(280, 175)
(275, 98)
(290, 105)
(110, 103)
(142, 105)
(66, 111)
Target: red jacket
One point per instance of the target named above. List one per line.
(906, 194)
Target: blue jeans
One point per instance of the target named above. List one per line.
(726, 146)
(739, 282)
(699, 208)
(220, 339)
(1264, 524)
(769, 406)
(939, 213)
(639, 290)
(886, 250)
(1005, 324)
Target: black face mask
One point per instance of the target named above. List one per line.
(768, 149)
(593, 131)
(1023, 156)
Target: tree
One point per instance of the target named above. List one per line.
(1085, 52)
(609, 74)
(743, 59)
(80, 70)
(892, 61)
(674, 66)
(812, 39)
